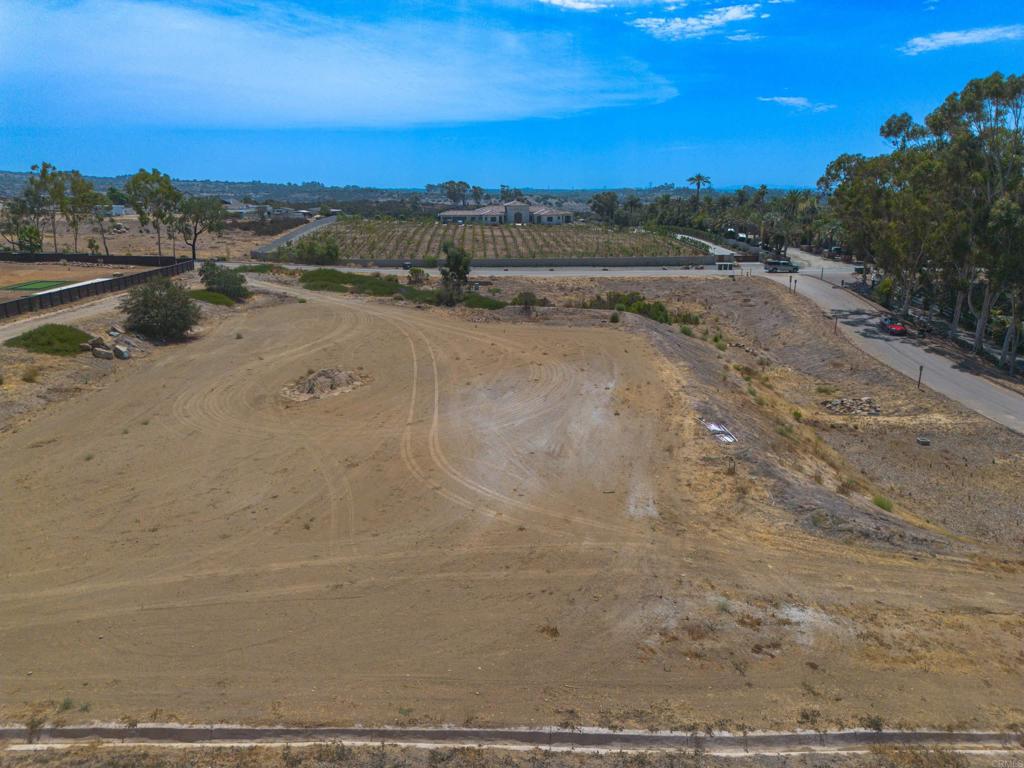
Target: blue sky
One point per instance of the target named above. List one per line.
(542, 93)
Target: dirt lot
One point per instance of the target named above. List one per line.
(141, 241)
(512, 521)
(14, 274)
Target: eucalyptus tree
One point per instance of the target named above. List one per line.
(199, 215)
(155, 200)
(78, 203)
(985, 123)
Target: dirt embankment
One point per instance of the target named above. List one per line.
(785, 347)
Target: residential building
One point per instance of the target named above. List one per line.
(507, 213)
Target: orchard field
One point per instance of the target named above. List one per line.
(383, 239)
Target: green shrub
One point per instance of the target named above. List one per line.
(688, 318)
(686, 330)
(161, 310)
(530, 299)
(30, 375)
(614, 318)
(882, 503)
(631, 302)
(883, 292)
(344, 282)
(212, 297)
(50, 339)
(223, 280)
(318, 248)
(476, 301)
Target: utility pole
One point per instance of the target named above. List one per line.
(920, 375)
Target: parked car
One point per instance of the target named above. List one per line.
(778, 265)
(892, 326)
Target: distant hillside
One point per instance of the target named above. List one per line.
(313, 192)
(11, 183)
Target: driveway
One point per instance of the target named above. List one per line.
(858, 321)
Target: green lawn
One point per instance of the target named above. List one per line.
(34, 286)
(51, 339)
(212, 297)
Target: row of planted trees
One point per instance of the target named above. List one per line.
(775, 219)
(942, 214)
(51, 194)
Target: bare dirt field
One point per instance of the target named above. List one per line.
(511, 521)
(233, 243)
(15, 274)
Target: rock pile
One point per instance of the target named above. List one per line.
(852, 406)
(323, 383)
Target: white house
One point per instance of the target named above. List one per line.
(507, 213)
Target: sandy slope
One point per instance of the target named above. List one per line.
(508, 524)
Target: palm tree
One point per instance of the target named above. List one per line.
(699, 180)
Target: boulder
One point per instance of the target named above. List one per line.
(97, 343)
(122, 352)
(85, 346)
(102, 353)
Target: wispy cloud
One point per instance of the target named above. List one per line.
(600, 5)
(679, 27)
(744, 37)
(800, 103)
(940, 40)
(160, 62)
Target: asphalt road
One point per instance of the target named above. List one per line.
(858, 321)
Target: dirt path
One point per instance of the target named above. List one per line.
(507, 524)
(590, 740)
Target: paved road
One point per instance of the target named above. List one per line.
(480, 270)
(858, 321)
(589, 739)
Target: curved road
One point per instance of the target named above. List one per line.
(858, 321)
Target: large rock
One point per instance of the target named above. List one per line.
(102, 353)
(122, 352)
(85, 346)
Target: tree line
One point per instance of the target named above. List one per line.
(460, 192)
(51, 193)
(940, 215)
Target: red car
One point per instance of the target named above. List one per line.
(892, 326)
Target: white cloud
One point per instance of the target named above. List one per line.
(940, 40)
(677, 28)
(744, 37)
(801, 103)
(157, 62)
